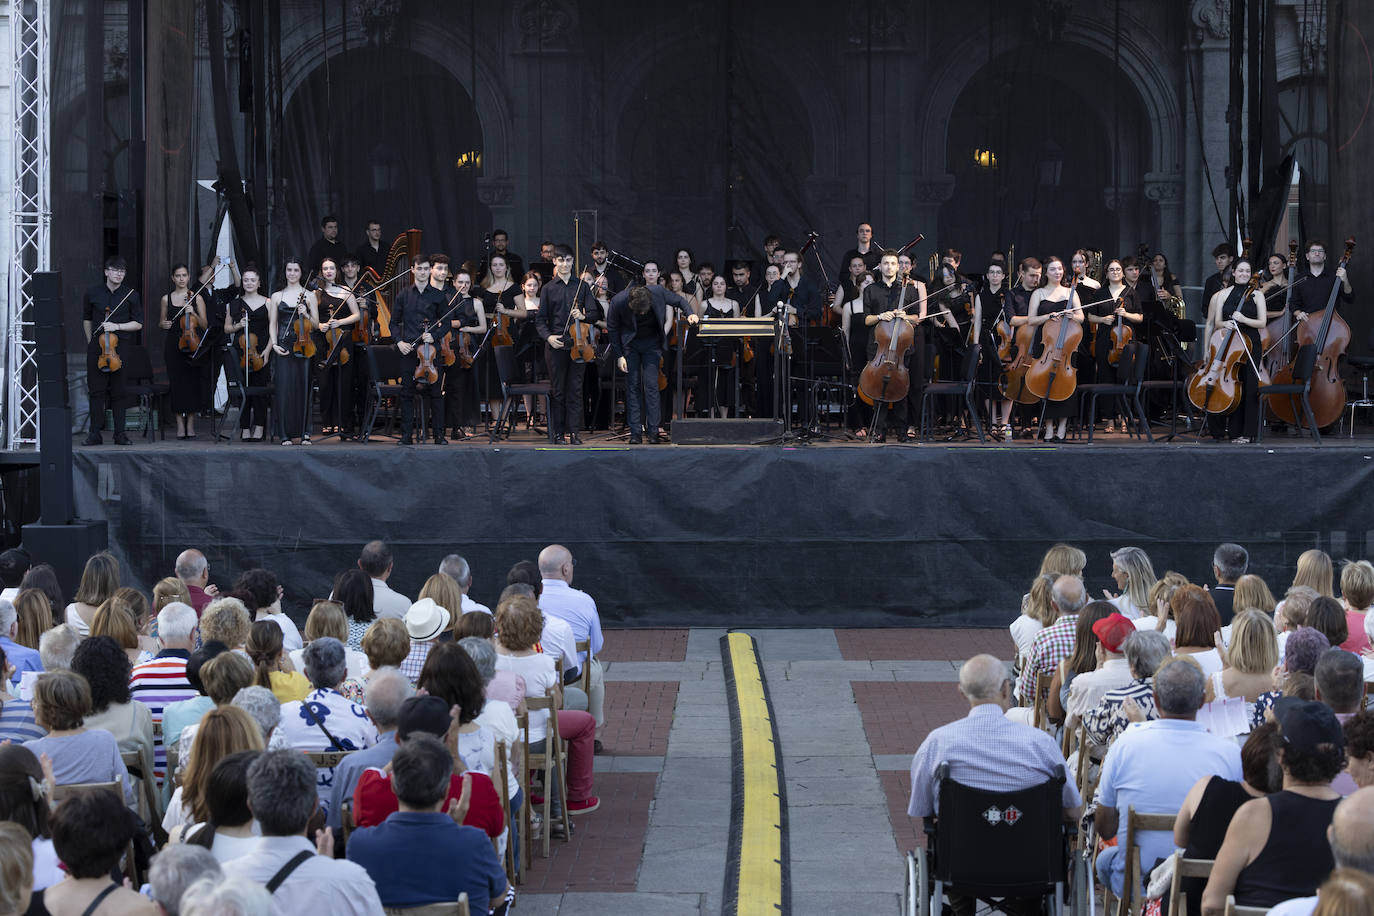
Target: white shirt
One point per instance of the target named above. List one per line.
(74, 618)
(8, 594)
(1126, 606)
(558, 642)
(1149, 622)
(539, 675)
(387, 602)
(1209, 661)
(469, 606)
(559, 599)
(1298, 906)
(1087, 689)
(318, 885)
(290, 635)
(358, 666)
(1023, 630)
(498, 718)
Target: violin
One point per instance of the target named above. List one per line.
(362, 331)
(109, 360)
(304, 344)
(581, 344)
(464, 351)
(1053, 375)
(1330, 335)
(886, 377)
(426, 370)
(446, 354)
(1006, 334)
(332, 338)
(1216, 387)
(502, 337)
(189, 342)
(252, 357)
(1121, 335)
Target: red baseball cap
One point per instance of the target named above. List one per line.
(1112, 631)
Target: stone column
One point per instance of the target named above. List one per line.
(929, 191)
(1166, 189)
(1197, 226)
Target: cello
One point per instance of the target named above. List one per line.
(886, 378)
(1215, 388)
(1330, 335)
(1053, 376)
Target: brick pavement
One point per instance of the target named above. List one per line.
(639, 715)
(888, 644)
(607, 845)
(644, 646)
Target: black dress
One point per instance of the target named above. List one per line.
(291, 375)
(724, 353)
(995, 308)
(187, 378)
(1055, 410)
(1093, 365)
(254, 412)
(851, 298)
(1244, 420)
(336, 376)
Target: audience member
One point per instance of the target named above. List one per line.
(327, 618)
(475, 623)
(1212, 801)
(1054, 643)
(90, 832)
(556, 639)
(1359, 748)
(1351, 837)
(1082, 659)
(106, 669)
(1339, 683)
(99, 580)
(16, 870)
(376, 561)
(1152, 766)
(176, 868)
(282, 796)
(1112, 669)
(419, 855)
(577, 609)
(44, 578)
(387, 689)
(33, 616)
(326, 720)
(1315, 571)
(61, 702)
(1064, 560)
(194, 572)
(1250, 660)
(353, 590)
(499, 718)
(171, 590)
(25, 789)
(425, 620)
(1229, 563)
(1160, 616)
(1357, 594)
(1199, 621)
(179, 715)
(226, 620)
(1037, 612)
(451, 675)
(1346, 893)
(261, 586)
(57, 646)
(229, 830)
(224, 896)
(14, 565)
(1261, 865)
(443, 591)
(271, 668)
(223, 677)
(16, 715)
(21, 658)
(386, 643)
(265, 711)
(114, 620)
(223, 731)
(160, 682)
(1327, 616)
(1145, 651)
(1134, 575)
(1291, 612)
(458, 569)
(1253, 594)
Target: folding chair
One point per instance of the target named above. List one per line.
(1133, 876)
(1235, 909)
(135, 762)
(383, 373)
(142, 388)
(1186, 868)
(62, 793)
(969, 379)
(553, 764)
(512, 391)
(457, 908)
(1126, 392)
(1040, 715)
(580, 647)
(502, 768)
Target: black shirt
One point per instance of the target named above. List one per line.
(367, 257)
(515, 266)
(416, 311)
(615, 279)
(871, 259)
(879, 298)
(124, 304)
(804, 297)
(325, 249)
(556, 301)
(1311, 292)
(646, 327)
(1209, 289)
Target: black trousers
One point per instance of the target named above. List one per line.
(433, 392)
(336, 393)
(565, 392)
(460, 396)
(105, 387)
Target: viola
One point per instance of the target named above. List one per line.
(109, 360)
(332, 337)
(886, 378)
(1053, 375)
(502, 336)
(1215, 387)
(1330, 335)
(464, 351)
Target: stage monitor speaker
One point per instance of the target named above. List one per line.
(726, 432)
(66, 547)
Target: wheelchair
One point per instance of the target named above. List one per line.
(995, 847)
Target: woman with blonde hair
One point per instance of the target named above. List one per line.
(445, 592)
(99, 580)
(223, 731)
(386, 643)
(327, 618)
(117, 619)
(169, 590)
(1158, 613)
(1251, 592)
(271, 668)
(1133, 573)
(1315, 570)
(34, 616)
(1357, 594)
(1064, 560)
(226, 620)
(1250, 660)
(1037, 612)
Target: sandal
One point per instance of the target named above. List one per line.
(287, 442)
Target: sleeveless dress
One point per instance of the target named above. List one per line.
(1244, 420)
(291, 374)
(1220, 801)
(1055, 410)
(254, 412)
(188, 380)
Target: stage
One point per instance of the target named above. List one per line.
(818, 535)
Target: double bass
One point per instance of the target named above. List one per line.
(1053, 376)
(1330, 335)
(886, 378)
(1215, 388)
(1279, 353)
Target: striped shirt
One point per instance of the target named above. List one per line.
(16, 721)
(1051, 646)
(1105, 721)
(157, 684)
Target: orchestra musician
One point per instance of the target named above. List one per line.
(880, 304)
(366, 298)
(1275, 285)
(181, 350)
(1223, 255)
(684, 260)
(1310, 296)
(722, 352)
(1097, 318)
(1163, 280)
(992, 306)
(600, 267)
(848, 303)
(291, 373)
(1045, 303)
(252, 310)
(114, 309)
(561, 301)
(1120, 300)
(863, 249)
(326, 246)
(415, 321)
(337, 308)
(469, 324)
(370, 253)
(498, 292)
(638, 322)
(1225, 309)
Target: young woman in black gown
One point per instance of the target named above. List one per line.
(1049, 300)
(291, 373)
(185, 374)
(1242, 424)
(251, 309)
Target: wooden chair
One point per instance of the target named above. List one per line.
(346, 819)
(134, 762)
(1186, 868)
(499, 777)
(585, 682)
(553, 764)
(1131, 877)
(457, 908)
(173, 778)
(1235, 909)
(1040, 715)
(62, 793)
(329, 759)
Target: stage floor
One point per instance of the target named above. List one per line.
(946, 534)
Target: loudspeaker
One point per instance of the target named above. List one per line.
(66, 547)
(726, 432)
(54, 412)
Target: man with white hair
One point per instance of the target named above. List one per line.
(576, 608)
(457, 568)
(21, 657)
(57, 646)
(176, 868)
(387, 689)
(161, 681)
(193, 569)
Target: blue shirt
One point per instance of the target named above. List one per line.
(16, 721)
(985, 750)
(1151, 766)
(577, 609)
(21, 657)
(350, 768)
(417, 857)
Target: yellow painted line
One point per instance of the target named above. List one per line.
(757, 873)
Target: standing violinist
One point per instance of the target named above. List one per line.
(1054, 298)
(469, 325)
(334, 349)
(561, 302)
(251, 310)
(1309, 297)
(294, 310)
(993, 307)
(849, 304)
(881, 301)
(182, 315)
(1275, 285)
(1120, 299)
(415, 324)
(108, 308)
(365, 296)
(1236, 306)
(1097, 319)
